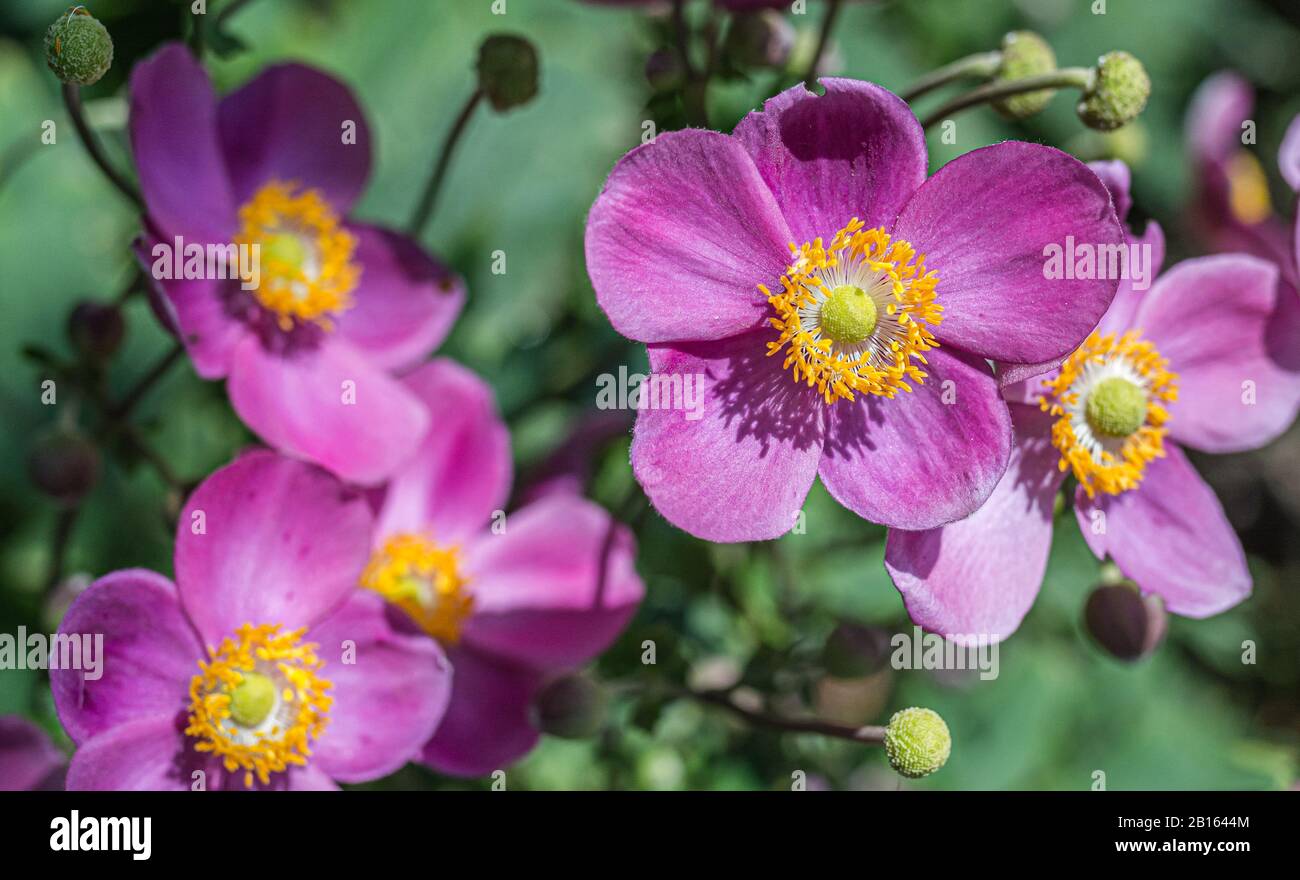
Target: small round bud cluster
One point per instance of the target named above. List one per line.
(855, 651)
(64, 464)
(1124, 623)
(78, 48)
(1024, 54)
(507, 71)
(572, 707)
(917, 742)
(760, 39)
(96, 330)
(1118, 94)
(665, 71)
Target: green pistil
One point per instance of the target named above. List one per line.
(849, 315)
(252, 699)
(1116, 408)
(285, 248)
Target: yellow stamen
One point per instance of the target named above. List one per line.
(258, 701)
(1248, 189)
(424, 580)
(862, 350)
(307, 272)
(1100, 461)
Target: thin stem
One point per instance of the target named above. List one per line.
(424, 209)
(198, 34)
(231, 8)
(119, 411)
(981, 65)
(131, 288)
(823, 40)
(63, 525)
(72, 100)
(1065, 78)
(868, 735)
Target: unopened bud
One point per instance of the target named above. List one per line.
(1124, 623)
(1024, 54)
(1119, 92)
(572, 707)
(855, 651)
(64, 464)
(78, 48)
(760, 39)
(664, 70)
(917, 742)
(507, 71)
(96, 329)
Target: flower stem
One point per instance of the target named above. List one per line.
(1065, 78)
(424, 209)
(869, 735)
(63, 526)
(981, 65)
(823, 40)
(120, 410)
(72, 100)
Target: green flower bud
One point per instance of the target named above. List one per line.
(78, 48)
(64, 464)
(1124, 623)
(1024, 54)
(1119, 92)
(855, 651)
(96, 329)
(572, 707)
(917, 742)
(507, 71)
(760, 39)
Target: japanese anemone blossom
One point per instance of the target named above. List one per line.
(278, 164)
(263, 665)
(513, 600)
(837, 307)
(1193, 361)
(29, 761)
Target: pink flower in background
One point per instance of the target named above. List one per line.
(262, 665)
(279, 164)
(1164, 368)
(513, 600)
(29, 761)
(836, 307)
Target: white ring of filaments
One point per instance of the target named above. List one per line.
(1091, 375)
(885, 337)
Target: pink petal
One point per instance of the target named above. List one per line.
(28, 759)
(978, 577)
(1288, 154)
(461, 473)
(738, 464)
(1170, 536)
(328, 405)
(147, 754)
(556, 588)
(283, 542)
(916, 461)
(681, 236)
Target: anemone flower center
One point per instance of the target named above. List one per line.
(852, 314)
(1247, 189)
(424, 579)
(1109, 399)
(259, 701)
(306, 267)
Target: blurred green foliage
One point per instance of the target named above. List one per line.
(1193, 716)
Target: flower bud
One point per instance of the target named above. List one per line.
(96, 329)
(917, 742)
(855, 651)
(78, 48)
(507, 71)
(1124, 623)
(1119, 92)
(572, 707)
(664, 70)
(1024, 54)
(760, 39)
(64, 464)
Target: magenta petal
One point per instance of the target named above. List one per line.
(917, 462)
(540, 596)
(147, 754)
(1211, 317)
(1215, 114)
(461, 474)
(1123, 309)
(388, 702)
(174, 139)
(985, 222)
(282, 542)
(681, 236)
(196, 312)
(1117, 177)
(736, 462)
(27, 756)
(150, 653)
(1170, 536)
(857, 151)
(289, 124)
(328, 404)
(487, 726)
(1288, 154)
(404, 303)
(977, 578)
